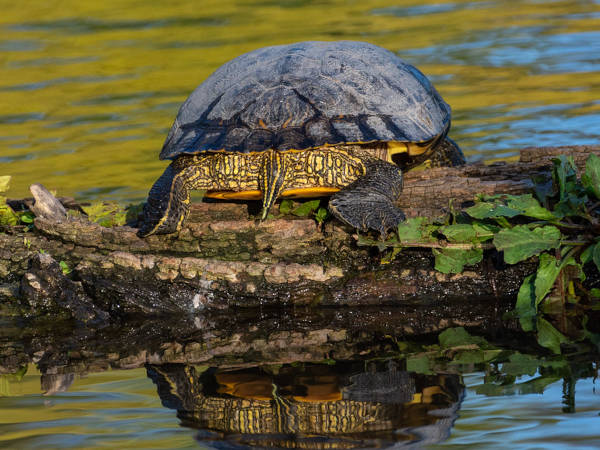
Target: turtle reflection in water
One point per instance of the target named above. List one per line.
(304, 120)
(311, 406)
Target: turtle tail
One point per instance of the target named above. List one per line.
(168, 203)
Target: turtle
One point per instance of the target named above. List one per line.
(309, 119)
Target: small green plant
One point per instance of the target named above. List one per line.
(106, 214)
(66, 270)
(561, 227)
(311, 208)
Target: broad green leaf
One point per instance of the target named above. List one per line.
(487, 210)
(475, 356)
(418, 364)
(595, 292)
(485, 231)
(521, 364)
(505, 205)
(4, 183)
(454, 337)
(526, 307)
(545, 276)
(564, 174)
(459, 233)
(286, 206)
(453, 260)
(520, 243)
(591, 177)
(596, 255)
(306, 208)
(416, 229)
(586, 255)
(548, 336)
(529, 206)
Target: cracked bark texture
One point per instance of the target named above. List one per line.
(223, 258)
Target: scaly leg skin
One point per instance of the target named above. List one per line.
(368, 203)
(272, 177)
(168, 202)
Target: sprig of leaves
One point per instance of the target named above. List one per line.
(561, 227)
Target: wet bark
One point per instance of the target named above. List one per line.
(224, 258)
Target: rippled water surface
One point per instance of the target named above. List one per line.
(89, 89)
(157, 407)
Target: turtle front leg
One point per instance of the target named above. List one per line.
(168, 202)
(369, 202)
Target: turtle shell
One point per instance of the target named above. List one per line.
(306, 95)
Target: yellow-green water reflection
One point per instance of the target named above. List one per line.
(89, 89)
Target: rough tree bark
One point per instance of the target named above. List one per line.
(224, 258)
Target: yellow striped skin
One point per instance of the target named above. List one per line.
(241, 175)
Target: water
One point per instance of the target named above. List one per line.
(88, 91)
(187, 388)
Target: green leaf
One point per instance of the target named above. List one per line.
(564, 174)
(520, 243)
(286, 206)
(529, 206)
(65, 268)
(27, 217)
(520, 364)
(416, 229)
(453, 260)
(459, 233)
(106, 214)
(7, 215)
(475, 356)
(454, 337)
(548, 336)
(545, 276)
(505, 205)
(306, 208)
(487, 210)
(321, 215)
(418, 364)
(4, 183)
(485, 231)
(595, 292)
(526, 307)
(586, 255)
(596, 255)
(591, 177)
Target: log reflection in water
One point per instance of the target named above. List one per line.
(346, 405)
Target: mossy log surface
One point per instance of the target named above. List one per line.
(224, 258)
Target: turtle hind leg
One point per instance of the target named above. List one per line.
(448, 153)
(168, 203)
(369, 202)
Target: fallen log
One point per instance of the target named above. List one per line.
(225, 258)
